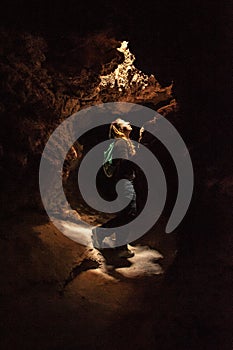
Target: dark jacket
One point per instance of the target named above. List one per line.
(125, 168)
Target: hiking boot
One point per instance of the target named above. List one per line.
(125, 254)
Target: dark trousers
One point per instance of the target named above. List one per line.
(124, 216)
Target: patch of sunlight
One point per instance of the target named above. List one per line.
(78, 232)
(144, 263)
(126, 74)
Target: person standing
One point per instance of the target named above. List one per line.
(124, 170)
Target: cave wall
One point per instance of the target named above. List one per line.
(51, 66)
(48, 58)
(42, 85)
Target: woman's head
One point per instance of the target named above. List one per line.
(120, 128)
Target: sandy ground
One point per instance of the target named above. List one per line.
(57, 294)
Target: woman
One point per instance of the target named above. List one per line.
(124, 150)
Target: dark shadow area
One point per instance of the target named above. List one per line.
(187, 307)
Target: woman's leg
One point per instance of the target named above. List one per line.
(122, 218)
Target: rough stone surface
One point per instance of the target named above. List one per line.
(44, 80)
(37, 94)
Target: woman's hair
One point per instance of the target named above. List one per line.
(115, 132)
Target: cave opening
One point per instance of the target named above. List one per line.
(58, 60)
(127, 84)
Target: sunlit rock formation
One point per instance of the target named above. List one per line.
(132, 84)
(42, 84)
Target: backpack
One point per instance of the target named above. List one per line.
(105, 177)
(108, 166)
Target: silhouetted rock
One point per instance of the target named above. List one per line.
(42, 83)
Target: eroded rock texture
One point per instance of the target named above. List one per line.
(54, 296)
(42, 84)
